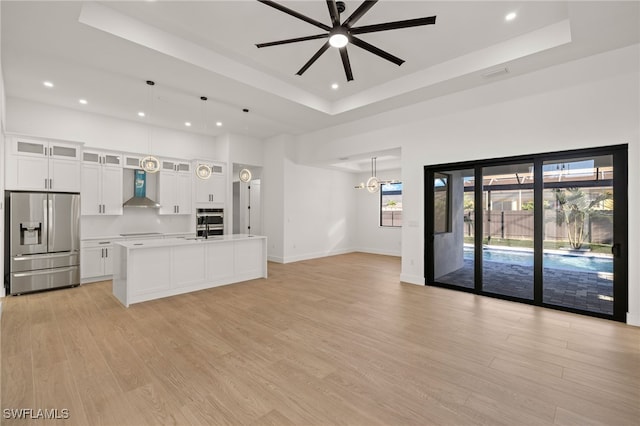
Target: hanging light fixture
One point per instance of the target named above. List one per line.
(373, 184)
(244, 175)
(150, 164)
(203, 171)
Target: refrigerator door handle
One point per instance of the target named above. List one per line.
(49, 216)
(45, 223)
(45, 256)
(43, 272)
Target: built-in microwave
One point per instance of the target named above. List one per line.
(209, 222)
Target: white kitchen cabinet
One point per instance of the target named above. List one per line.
(132, 161)
(101, 183)
(151, 269)
(34, 164)
(174, 188)
(96, 260)
(213, 191)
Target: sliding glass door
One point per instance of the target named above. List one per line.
(579, 200)
(507, 219)
(547, 229)
(453, 227)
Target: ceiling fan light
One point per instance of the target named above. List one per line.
(338, 40)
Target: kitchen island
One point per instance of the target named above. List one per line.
(153, 268)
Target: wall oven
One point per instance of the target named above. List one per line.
(209, 222)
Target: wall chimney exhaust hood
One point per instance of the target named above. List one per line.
(139, 198)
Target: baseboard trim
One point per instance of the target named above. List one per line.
(378, 251)
(309, 256)
(412, 279)
(276, 259)
(633, 319)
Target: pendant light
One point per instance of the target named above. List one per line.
(244, 175)
(373, 184)
(150, 164)
(203, 171)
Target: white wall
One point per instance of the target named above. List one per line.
(319, 212)
(369, 236)
(273, 179)
(99, 131)
(307, 211)
(585, 103)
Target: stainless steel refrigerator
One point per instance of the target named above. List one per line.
(42, 241)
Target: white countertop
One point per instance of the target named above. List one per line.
(137, 236)
(172, 242)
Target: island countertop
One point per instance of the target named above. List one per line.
(180, 241)
(149, 269)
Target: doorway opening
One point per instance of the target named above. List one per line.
(247, 203)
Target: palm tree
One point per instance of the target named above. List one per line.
(575, 207)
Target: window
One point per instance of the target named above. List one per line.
(391, 204)
(441, 209)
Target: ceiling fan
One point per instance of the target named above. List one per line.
(340, 34)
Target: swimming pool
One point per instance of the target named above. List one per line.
(567, 261)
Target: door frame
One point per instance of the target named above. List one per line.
(619, 154)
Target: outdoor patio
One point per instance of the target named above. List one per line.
(589, 291)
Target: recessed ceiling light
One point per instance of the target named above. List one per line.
(510, 16)
(335, 86)
(219, 123)
(186, 123)
(141, 114)
(83, 101)
(48, 84)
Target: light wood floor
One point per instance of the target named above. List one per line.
(337, 340)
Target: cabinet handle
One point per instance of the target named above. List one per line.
(45, 183)
(50, 183)
(101, 252)
(50, 152)
(106, 252)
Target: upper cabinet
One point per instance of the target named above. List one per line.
(34, 164)
(174, 187)
(212, 191)
(101, 183)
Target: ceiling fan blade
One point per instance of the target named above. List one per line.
(333, 12)
(376, 51)
(359, 12)
(295, 14)
(292, 40)
(313, 58)
(345, 63)
(394, 25)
